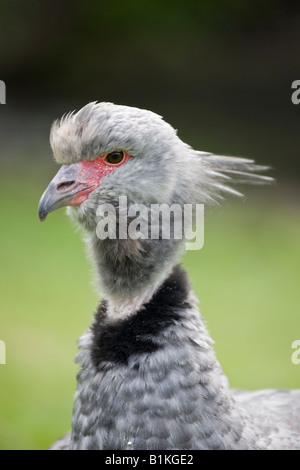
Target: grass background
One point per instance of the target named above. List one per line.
(247, 277)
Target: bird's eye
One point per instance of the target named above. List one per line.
(115, 158)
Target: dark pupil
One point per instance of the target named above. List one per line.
(115, 157)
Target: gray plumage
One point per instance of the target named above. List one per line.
(149, 377)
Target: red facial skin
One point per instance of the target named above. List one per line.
(90, 173)
(73, 183)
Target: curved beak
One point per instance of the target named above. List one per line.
(66, 189)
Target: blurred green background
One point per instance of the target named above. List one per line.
(219, 72)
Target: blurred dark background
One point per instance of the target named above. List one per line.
(221, 73)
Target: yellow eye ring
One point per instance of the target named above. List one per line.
(115, 158)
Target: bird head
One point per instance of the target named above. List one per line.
(108, 151)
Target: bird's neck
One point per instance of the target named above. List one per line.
(157, 366)
(130, 271)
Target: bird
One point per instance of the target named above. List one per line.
(148, 374)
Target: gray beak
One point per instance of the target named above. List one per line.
(62, 190)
